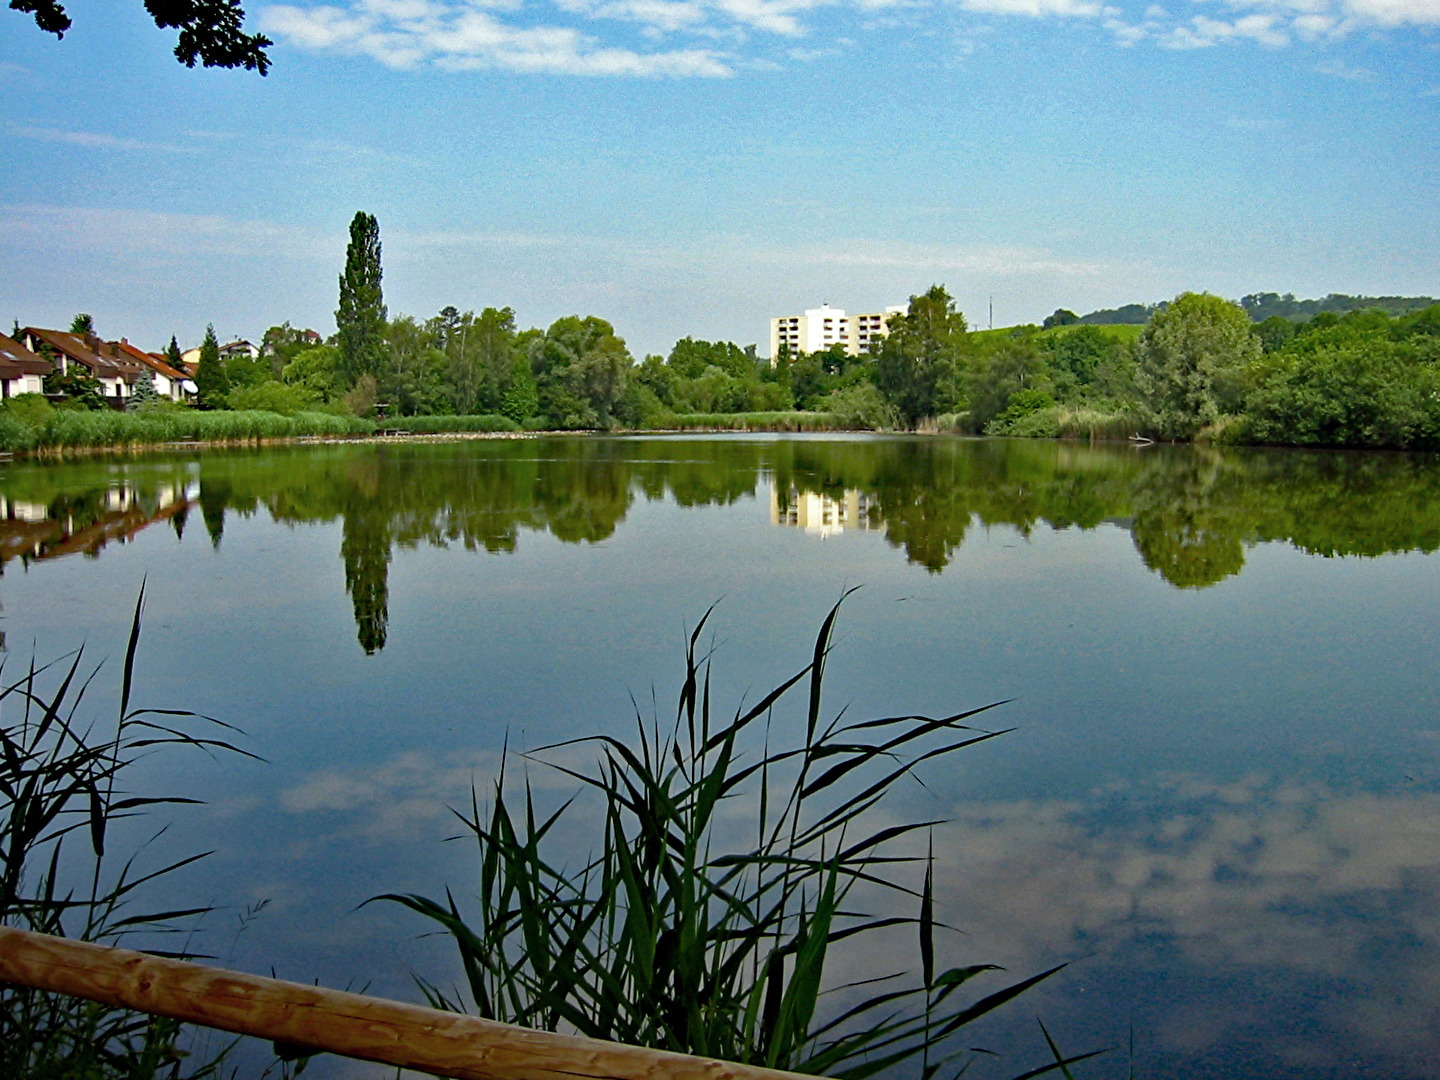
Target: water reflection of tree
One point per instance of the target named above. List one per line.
(215, 494)
(1190, 521)
(1192, 511)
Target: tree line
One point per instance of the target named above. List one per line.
(1200, 368)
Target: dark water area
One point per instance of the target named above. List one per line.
(1220, 803)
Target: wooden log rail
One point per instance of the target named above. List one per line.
(312, 1018)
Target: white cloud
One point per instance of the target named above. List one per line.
(572, 38)
(1203, 31)
(1395, 12)
(461, 37)
(92, 140)
(109, 231)
(1036, 8)
(1340, 70)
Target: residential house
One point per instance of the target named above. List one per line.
(168, 381)
(21, 371)
(242, 350)
(116, 374)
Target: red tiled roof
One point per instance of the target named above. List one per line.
(123, 348)
(75, 348)
(90, 352)
(16, 360)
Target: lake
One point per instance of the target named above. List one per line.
(1220, 803)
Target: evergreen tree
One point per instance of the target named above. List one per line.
(210, 377)
(360, 319)
(173, 356)
(143, 393)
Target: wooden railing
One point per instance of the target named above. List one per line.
(311, 1018)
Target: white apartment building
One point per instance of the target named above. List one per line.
(820, 328)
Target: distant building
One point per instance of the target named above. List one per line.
(239, 349)
(824, 327)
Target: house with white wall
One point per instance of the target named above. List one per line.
(21, 371)
(116, 375)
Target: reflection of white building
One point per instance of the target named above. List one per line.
(820, 515)
(20, 510)
(820, 328)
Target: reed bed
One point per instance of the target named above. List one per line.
(669, 937)
(438, 425)
(1067, 422)
(62, 788)
(74, 430)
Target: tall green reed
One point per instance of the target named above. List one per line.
(67, 429)
(62, 791)
(668, 937)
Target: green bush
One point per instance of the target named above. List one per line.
(1043, 423)
(1016, 417)
(862, 408)
(32, 409)
(272, 396)
(1338, 388)
(16, 436)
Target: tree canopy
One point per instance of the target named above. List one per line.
(210, 30)
(917, 366)
(1190, 357)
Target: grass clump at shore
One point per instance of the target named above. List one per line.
(674, 935)
(439, 425)
(758, 421)
(61, 790)
(1067, 422)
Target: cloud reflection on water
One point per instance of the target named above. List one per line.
(1289, 895)
(1245, 902)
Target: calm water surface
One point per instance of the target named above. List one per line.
(1221, 804)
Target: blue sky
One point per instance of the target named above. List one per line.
(696, 166)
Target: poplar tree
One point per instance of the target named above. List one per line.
(360, 319)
